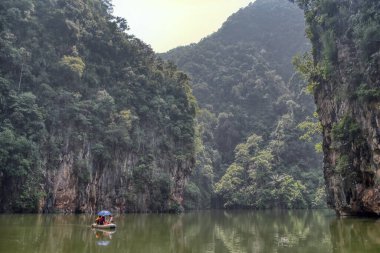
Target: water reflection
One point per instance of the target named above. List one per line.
(103, 237)
(222, 232)
(349, 235)
(263, 231)
(198, 232)
(38, 233)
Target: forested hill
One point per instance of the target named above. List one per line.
(89, 118)
(252, 103)
(276, 27)
(344, 74)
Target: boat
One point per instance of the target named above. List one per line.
(106, 226)
(104, 231)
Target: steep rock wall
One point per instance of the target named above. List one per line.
(90, 118)
(351, 163)
(113, 185)
(346, 54)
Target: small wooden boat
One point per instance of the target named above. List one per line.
(105, 231)
(106, 226)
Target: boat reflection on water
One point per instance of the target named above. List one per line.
(103, 237)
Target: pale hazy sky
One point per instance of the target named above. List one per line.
(165, 24)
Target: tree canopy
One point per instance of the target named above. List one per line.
(71, 77)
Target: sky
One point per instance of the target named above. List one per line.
(166, 24)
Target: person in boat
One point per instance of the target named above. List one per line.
(97, 221)
(109, 220)
(102, 220)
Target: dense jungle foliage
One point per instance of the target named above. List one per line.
(71, 74)
(333, 22)
(253, 112)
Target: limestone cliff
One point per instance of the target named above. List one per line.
(90, 118)
(114, 185)
(346, 80)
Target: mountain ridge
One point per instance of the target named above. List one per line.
(244, 82)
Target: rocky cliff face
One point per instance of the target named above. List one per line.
(90, 118)
(346, 87)
(351, 138)
(113, 185)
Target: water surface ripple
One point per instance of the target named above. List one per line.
(196, 232)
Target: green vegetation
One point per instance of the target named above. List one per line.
(332, 22)
(346, 130)
(367, 94)
(74, 85)
(249, 150)
(342, 164)
(312, 131)
(311, 72)
(259, 179)
(345, 37)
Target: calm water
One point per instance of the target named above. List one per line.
(209, 231)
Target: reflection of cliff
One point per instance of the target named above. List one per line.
(46, 234)
(271, 231)
(350, 235)
(200, 232)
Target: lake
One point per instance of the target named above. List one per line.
(197, 232)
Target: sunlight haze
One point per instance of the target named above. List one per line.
(166, 24)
